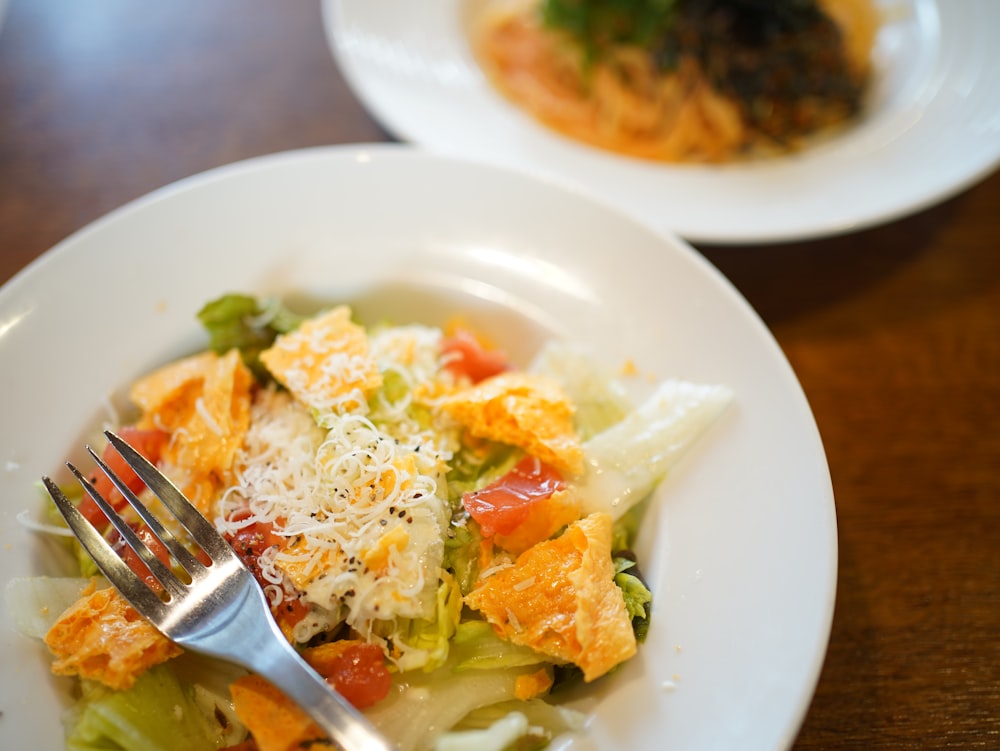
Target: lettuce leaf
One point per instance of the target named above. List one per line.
(242, 322)
(498, 736)
(627, 460)
(544, 721)
(36, 602)
(426, 642)
(477, 647)
(472, 468)
(158, 713)
(69, 555)
(461, 555)
(600, 400)
(422, 705)
(636, 594)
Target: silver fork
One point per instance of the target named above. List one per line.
(221, 611)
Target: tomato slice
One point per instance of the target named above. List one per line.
(465, 355)
(149, 443)
(356, 669)
(290, 611)
(136, 563)
(249, 543)
(503, 505)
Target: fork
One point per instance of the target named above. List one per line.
(221, 611)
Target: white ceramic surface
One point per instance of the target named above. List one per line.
(932, 125)
(741, 545)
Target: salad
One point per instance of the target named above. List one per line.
(446, 536)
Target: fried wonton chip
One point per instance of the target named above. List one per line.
(521, 409)
(102, 638)
(325, 363)
(275, 721)
(560, 599)
(203, 401)
(533, 685)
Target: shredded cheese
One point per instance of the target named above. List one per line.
(325, 363)
(524, 584)
(353, 489)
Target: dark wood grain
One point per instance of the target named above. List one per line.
(103, 101)
(894, 332)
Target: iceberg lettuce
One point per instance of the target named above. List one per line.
(600, 400)
(421, 706)
(627, 460)
(35, 602)
(520, 725)
(426, 642)
(158, 713)
(477, 646)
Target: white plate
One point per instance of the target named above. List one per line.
(742, 548)
(932, 126)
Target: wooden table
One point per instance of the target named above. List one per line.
(894, 332)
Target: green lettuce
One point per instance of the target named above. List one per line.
(159, 713)
(248, 324)
(461, 555)
(504, 733)
(477, 647)
(598, 25)
(473, 468)
(636, 595)
(428, 639)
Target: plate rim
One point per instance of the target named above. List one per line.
(403, 151)
(834, 225)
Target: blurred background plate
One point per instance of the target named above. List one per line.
(931, 129)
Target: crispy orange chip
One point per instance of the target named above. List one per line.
(521, 409)
(325, 363)
(203, 401)
(275, 721)
(102, 638)
(533, 684)
(560, 599)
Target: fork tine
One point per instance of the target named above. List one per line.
(156, 567)
(180, 553)
(111, 564)
(201, 530)
(224, 614)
